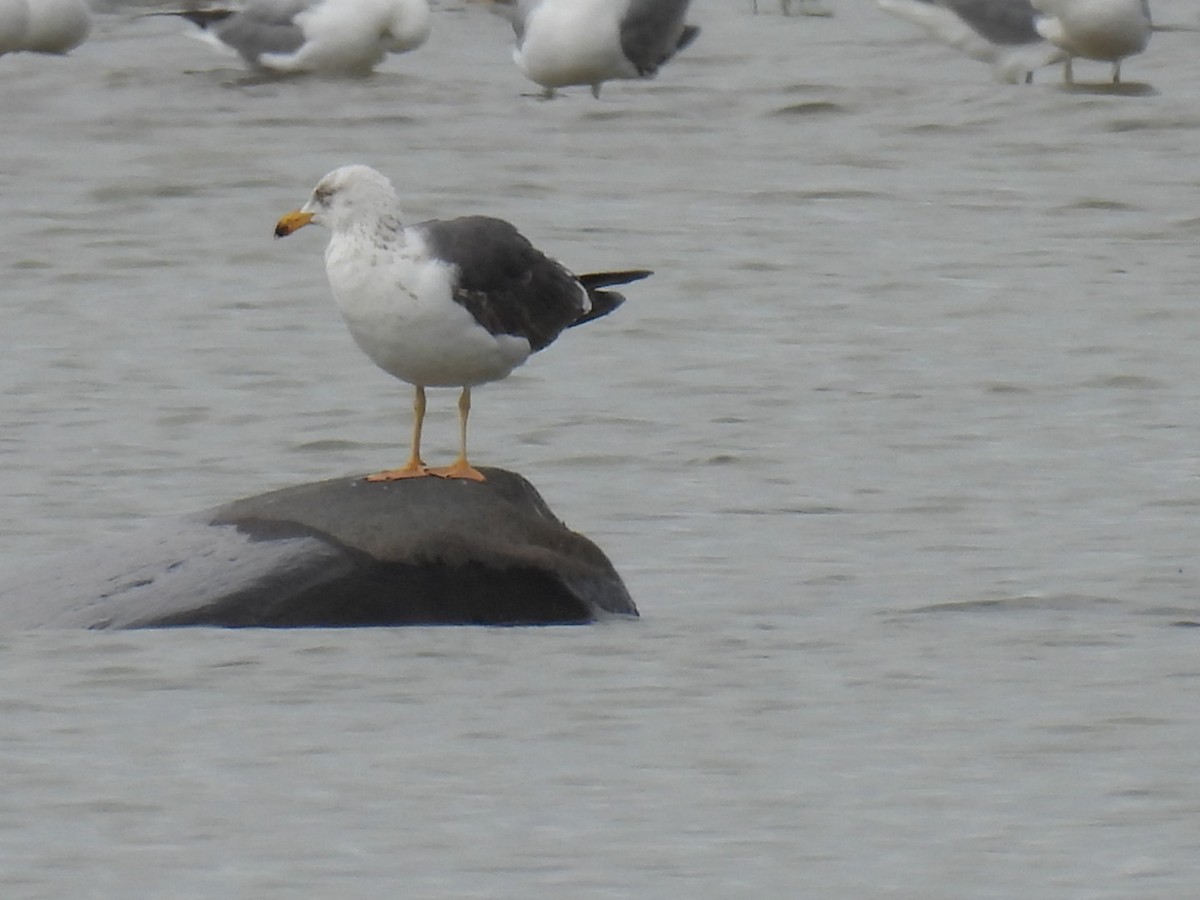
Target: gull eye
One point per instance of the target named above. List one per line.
(322, 195)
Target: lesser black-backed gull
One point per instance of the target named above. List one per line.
(328, 36)
(999, 32)
(1105, 30)
(589, 42)
(451, 303)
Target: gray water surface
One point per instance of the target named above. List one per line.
(897, 453)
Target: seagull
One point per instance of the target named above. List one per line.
(43, 26)
(443, 303)
(1106, 30)
(565, 42)
(1000, 32)
(327, 36)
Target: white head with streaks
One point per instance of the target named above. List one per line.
(351, 197)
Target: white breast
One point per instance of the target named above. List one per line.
(573, 43)
(399, 307)
(1096, 29)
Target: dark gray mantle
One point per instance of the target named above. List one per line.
(335, 553)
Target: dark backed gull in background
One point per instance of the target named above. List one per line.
(442, 303)
(565, 42)
(1105, 30)
(1000, 32)
(43, 26)
(330, 36)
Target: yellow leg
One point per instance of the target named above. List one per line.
(414, 468)
(460, 468)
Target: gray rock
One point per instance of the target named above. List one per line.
(335, 553)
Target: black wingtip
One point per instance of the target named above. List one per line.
(689, 34)
(607, 279)
(603, 302)
(199, 17)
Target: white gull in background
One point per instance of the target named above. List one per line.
(43, 26)
(1105, 30)
(589, 42)
(1000, 32)
(442, 303)
(328, 36)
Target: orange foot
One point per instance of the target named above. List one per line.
(460, 469)
(411, 470)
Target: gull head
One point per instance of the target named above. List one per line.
(345, 198)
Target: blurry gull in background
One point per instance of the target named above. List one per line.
(43, 26)
(329, 36)
(1000, 32)
(1106, 30)
(566, 42)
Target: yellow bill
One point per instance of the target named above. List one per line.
(290, 222)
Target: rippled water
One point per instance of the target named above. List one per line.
(896, 452)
